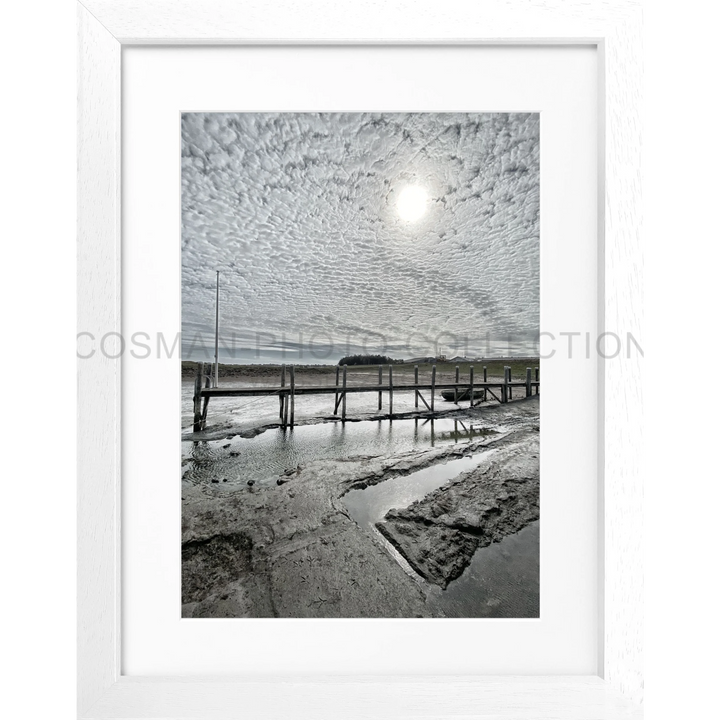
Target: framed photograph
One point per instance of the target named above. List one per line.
(378, 424)
(324, 273)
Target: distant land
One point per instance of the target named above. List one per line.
(494, 365)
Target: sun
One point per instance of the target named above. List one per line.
(412, 203)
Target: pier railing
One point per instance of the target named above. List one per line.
(470, 389)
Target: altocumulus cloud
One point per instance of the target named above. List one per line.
(299, 212)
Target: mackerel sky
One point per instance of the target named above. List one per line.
(299, 212)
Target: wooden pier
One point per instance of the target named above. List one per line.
(286, 391)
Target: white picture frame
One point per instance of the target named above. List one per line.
(104, 26)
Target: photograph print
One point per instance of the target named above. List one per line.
(360, 374)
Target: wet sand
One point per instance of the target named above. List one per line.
(291, 548)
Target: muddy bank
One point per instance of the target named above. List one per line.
(284, 551)
(292, 550)
(439, 535)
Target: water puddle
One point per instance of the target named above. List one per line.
(502, 579)
(268, 455)
(370, 505)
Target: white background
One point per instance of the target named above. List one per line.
(560, 83)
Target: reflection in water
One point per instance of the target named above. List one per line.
(369, 505)
(502, 579)
(271, 453)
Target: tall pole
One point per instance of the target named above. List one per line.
(217, 323)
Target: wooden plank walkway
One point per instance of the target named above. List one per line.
(332, 389)
(286, 392)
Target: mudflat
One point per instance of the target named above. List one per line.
(291, 549)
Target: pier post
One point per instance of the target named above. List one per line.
(528, 382)
(337, 382)
(416, 384)
(504, 393)
(472, 384)
(197, 411)
(390, 393)
(217, 325)
(380, 391)
(432, 390)
(282, 396)
(344, 395)
(484, 373)
(292, 396)
(286, 406)
(203, 419)
(509, 379)
(537, 379)
(457, 380)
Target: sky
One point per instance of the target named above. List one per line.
(407, 235)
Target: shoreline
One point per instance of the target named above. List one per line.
(229, 431)
(250, 372)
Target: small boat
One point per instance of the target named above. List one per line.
(462, 395)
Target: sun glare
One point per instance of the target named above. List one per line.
(412, 203)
